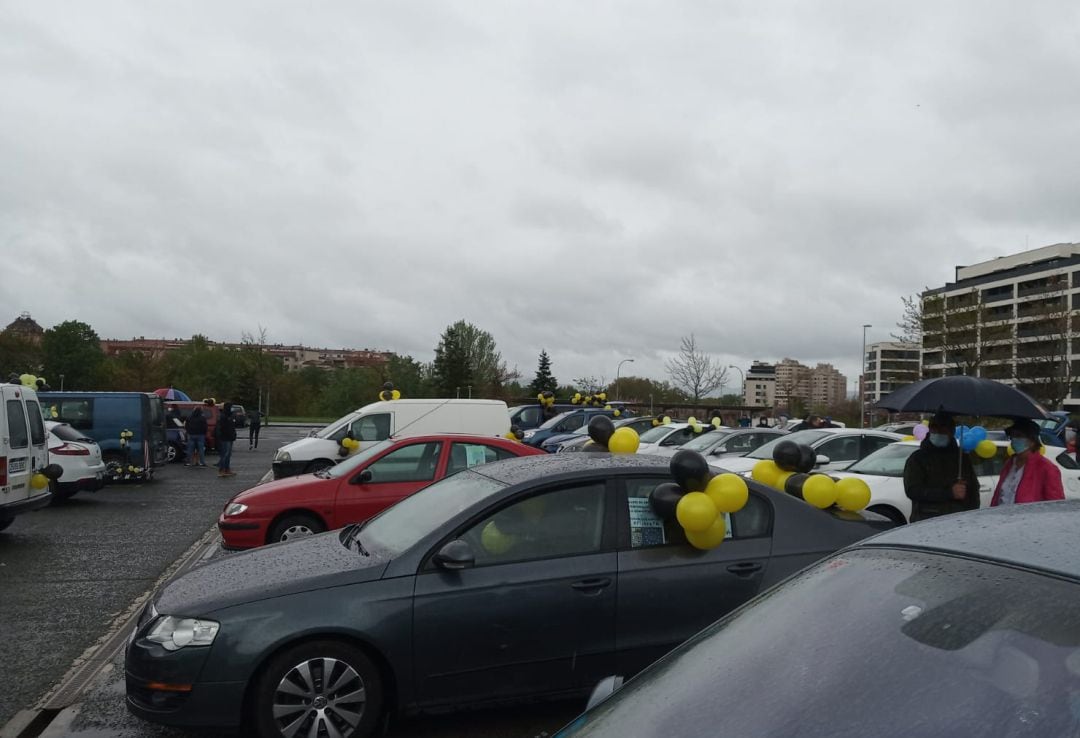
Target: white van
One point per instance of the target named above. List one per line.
(24, 451)
(395, 419)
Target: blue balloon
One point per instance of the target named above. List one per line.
(978, 433)
(961, 432)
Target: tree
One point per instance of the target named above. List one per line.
(72, 349)
(19, 355)
(349, 389)
(642, 391)
(1041, 365)
(544, 381)
(909, 329)
(694, 371)
(466, 361)
(962, 332)
(408, 376)
(589, 385)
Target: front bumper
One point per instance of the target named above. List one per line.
(239, 533)
(292, 468)
(164, 687)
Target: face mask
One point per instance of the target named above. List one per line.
(940, 440)
(1020, 445)
(1070, 435)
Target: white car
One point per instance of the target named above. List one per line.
(836, 448)
(725, 442)
(669, 436)
(78, 456)
(883, 471)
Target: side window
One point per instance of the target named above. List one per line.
(467, 455)
(16, 420)
(372, 428)
(530, 416)
(840, 449)
(647, 530)
(742, 443)
(1067, 461)
(564, 522)
(873, 443)
(677, 438)
(78, 413)
(37, 426)
(415, 463)
(572, 423)
(990, 467)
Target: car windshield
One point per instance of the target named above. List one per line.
(405, 524)
(705, 441)
(333, 428)
(807, 437)
(658, 433)
(894, 644)
(887, 461)
(555, 421)
(354, 461)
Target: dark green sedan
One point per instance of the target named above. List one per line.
(532, 577)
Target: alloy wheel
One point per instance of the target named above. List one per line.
(321, 698)
(296, 531)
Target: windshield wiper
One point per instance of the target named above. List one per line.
(322, 473)
(352, 535)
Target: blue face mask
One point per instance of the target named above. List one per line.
(1020, 445)
(940, 440)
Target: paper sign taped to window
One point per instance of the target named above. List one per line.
(475, 455)
(645, 528)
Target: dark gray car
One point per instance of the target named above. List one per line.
(965, 625)
(527, 578)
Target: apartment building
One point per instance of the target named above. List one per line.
(889, 366)
(788, 380)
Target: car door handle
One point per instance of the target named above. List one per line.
(591, 585)
(745, 569)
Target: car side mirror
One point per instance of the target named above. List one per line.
(455, 556)
(311, 433)
(822, 460)
(363, 477)
(607, 687)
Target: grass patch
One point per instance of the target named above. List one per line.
(284, 419)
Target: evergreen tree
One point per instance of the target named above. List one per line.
(544, 380)
(466, 357)
(73, 349)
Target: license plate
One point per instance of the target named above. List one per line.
(15, 466)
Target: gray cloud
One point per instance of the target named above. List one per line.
(596, 179)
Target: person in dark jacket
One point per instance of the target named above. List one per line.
(196, 439)
(254, 425)
(939, 478)
(224, 435)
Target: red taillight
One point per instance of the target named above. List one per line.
(67, 450)
(3, 471)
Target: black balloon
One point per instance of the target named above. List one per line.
(388, 386)
(385, 396)
(794, 483)
(786, 455)
(807, 459)
(600, 429)
(690, 470)
(664, 499)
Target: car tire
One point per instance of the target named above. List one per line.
(318, 465)
(889, 512)
(293, 526)
(59, 495)
(5, 523)
(295, 691)
(173, 453)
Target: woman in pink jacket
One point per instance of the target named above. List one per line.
(1028, 476)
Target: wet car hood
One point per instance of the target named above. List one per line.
(304, 485)
(270, 571)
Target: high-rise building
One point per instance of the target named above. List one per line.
(759, 389)
(1012, 319)
(889, 366)
(789, 381)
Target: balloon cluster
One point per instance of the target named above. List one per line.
(39, 481)
(125, 437)
(34, 383)
(604, 436)
(661, 420)
(515, 434)
(597, 399)
(697, 500)
(790, 470)
(347, 445)
(388, 393)
(697, 427)
(974, 440)
(546, 398)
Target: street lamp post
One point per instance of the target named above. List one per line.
(742, 378)
(61, 382)
(862, 379)
(617, 370)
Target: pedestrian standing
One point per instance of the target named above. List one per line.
(254, 424)
(939, 478)
(1027, 476)
(224, 435)
(196, 439)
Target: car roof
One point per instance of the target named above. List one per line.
(1037, 535)
(528, 468)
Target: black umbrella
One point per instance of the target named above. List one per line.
(961, 395)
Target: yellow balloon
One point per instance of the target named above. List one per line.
(820, 491)
(395, 395)
(711, 537)
(695, 512)
(986, 450)
(852, 494)
(765, 471)
(691, 420)
(27, 380)
(909, 438)
(667, 420)
(1042, 450)
(781, 479)
(623, 441)
(39, 481)
(728, 492)
(494, 540)
(1009, 451)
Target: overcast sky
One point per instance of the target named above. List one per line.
(596, 178)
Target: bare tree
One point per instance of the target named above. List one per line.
(694, 371)
(909, 329)
(590, 384)
(1042, 366)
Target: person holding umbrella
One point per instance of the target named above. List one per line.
(1027, 476)
(939, 478)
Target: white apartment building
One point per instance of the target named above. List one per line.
(889, 366)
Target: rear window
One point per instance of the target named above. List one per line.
(16, 420)
(67, 433)
(37, 425)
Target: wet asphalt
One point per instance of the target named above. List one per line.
(67, 572)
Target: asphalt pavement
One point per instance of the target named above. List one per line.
(70, 574)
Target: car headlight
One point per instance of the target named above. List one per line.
(176, 633)
(282, 456)
(234, 508)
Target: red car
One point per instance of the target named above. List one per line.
(356, 489)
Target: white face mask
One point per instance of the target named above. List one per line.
(1070, 435)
